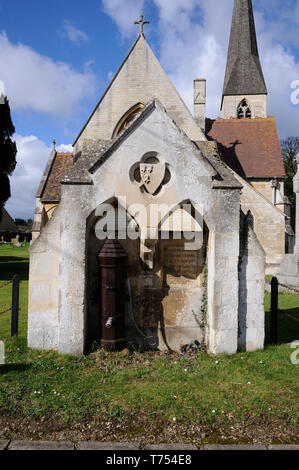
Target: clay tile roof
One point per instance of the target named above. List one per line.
(249, 146)
(62, 163)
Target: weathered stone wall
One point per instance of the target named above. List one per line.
(44, 287)
(251, 291)
(166, 301)
(257, 103)
(222, 321)
(264, 187)
(139, 80)
(269, 225)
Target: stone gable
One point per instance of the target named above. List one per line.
(139, 79)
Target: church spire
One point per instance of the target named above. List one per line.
(244, 75)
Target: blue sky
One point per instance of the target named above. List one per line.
(57, 58)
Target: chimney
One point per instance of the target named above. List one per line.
(200, 102)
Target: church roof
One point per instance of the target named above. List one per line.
(61, 164)
(244, 75)
(89, 162)
(249, 146)
(7, 224)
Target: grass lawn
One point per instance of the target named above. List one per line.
(154, 397)
(13, 260)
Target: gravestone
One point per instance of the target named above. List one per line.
(17, 244)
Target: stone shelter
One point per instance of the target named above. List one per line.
(187, 200)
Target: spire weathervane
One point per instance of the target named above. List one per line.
(141, 23)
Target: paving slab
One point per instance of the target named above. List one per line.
(172, 447)
(89, 445)
(41, 445)
(3, 444)
(284, 447)
(234, 447)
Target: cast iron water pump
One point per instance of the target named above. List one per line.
(113, 261)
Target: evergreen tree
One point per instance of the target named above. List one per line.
(290, 148)
(8, 151)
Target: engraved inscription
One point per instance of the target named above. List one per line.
(179, 262)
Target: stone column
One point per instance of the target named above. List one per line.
(223, 284)
(72, 269)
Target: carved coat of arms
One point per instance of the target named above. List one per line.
(152, 175)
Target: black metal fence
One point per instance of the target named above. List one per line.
(14, 303)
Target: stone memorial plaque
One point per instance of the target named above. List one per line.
(180, 266)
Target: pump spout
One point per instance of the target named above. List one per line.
(109, 322)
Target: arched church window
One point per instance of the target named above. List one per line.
(244, 110)
(126, 119)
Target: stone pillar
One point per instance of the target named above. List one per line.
(223, 283)
(222, 324)
(200, 102)
(289, 268)
(72, 269)
(251, 290)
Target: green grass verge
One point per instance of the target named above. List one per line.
(201, 389)
(144, 389)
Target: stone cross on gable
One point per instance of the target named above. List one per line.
(141, 23)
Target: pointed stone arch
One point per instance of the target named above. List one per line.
(94, 244)
(244, 109)
(127, 118)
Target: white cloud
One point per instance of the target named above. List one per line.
(124, 13)
(169, 11)
(73, 34)
(193, 40)
(32, 157)
(65, 148)
(37, 83)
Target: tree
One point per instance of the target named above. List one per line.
(290, 148)
(8, 151)
(20, 222)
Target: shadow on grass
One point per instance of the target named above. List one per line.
(8, 259)
(288, 326)
(6, 368)
(10, 265)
